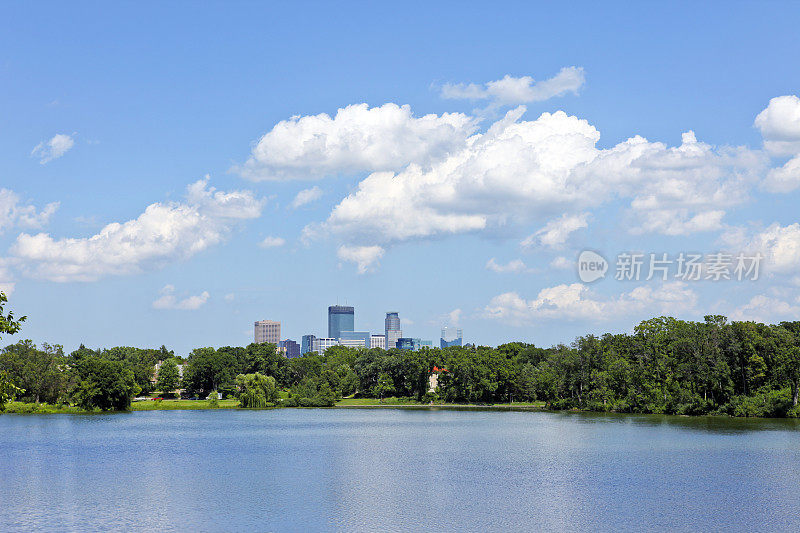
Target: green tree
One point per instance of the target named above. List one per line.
(41, 372)
(256, 390)
(168, 376)
(7, 389)
(208, 369)
(7, 322)
(384, 386)
(103, 384)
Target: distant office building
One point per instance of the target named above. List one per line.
(320, 345)
(405, 343)
(413, 344)
(307, 344)
(377, 341)
(290, 348)
(340, 318)
(267, 331)
(451, 337)
(392, 330)
(355, 338)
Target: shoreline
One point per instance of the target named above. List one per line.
(19, 408)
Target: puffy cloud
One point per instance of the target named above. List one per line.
(522, 171)
(557, 231)
(168, 300)
(306, 196)
(780, 246)
(358, 138)
(59, 145)
(164, 232)
(780, 125)
(365, 257)
(13, 212)
(577, 302)
(513, 266)
(785, 178)
(762, 308)
(272, 242)
(512, 90)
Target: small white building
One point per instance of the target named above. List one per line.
(377, 341)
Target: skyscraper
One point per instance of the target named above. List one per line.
(307, 344)
(451, 337)
(267, 331)
(393, 331)
(340, 318)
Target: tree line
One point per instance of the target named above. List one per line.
(665, 365)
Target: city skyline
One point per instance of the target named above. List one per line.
(342, 331)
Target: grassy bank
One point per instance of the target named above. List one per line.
(172, 405)
(23, 408)
(402, 402)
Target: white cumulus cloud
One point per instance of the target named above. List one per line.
(365, 257)
(15, 213)
(519, 172)
(780, 125)
(767, 309)
(168, 300)
(163, 233)
(357, 139)
(306, 196)
(54, 148)
(512, 90)
(784, 179)
(577, 302)
(779, 245)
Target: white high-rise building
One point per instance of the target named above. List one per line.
(377, 341)
(267, 331)
(320, 345)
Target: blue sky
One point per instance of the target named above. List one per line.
(175, 122)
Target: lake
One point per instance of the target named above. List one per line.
(396, 470)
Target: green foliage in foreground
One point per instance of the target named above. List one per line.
(256, 390)
(103, 384)
(7, 322)
(8, 390)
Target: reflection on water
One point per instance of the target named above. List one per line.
(396, 470)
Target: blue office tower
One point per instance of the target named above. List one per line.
(340, 318)
(307, 344)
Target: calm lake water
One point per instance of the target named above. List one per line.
(396, 470)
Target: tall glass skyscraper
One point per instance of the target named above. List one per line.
(393, 331)
(340, 318)
(307, 344)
